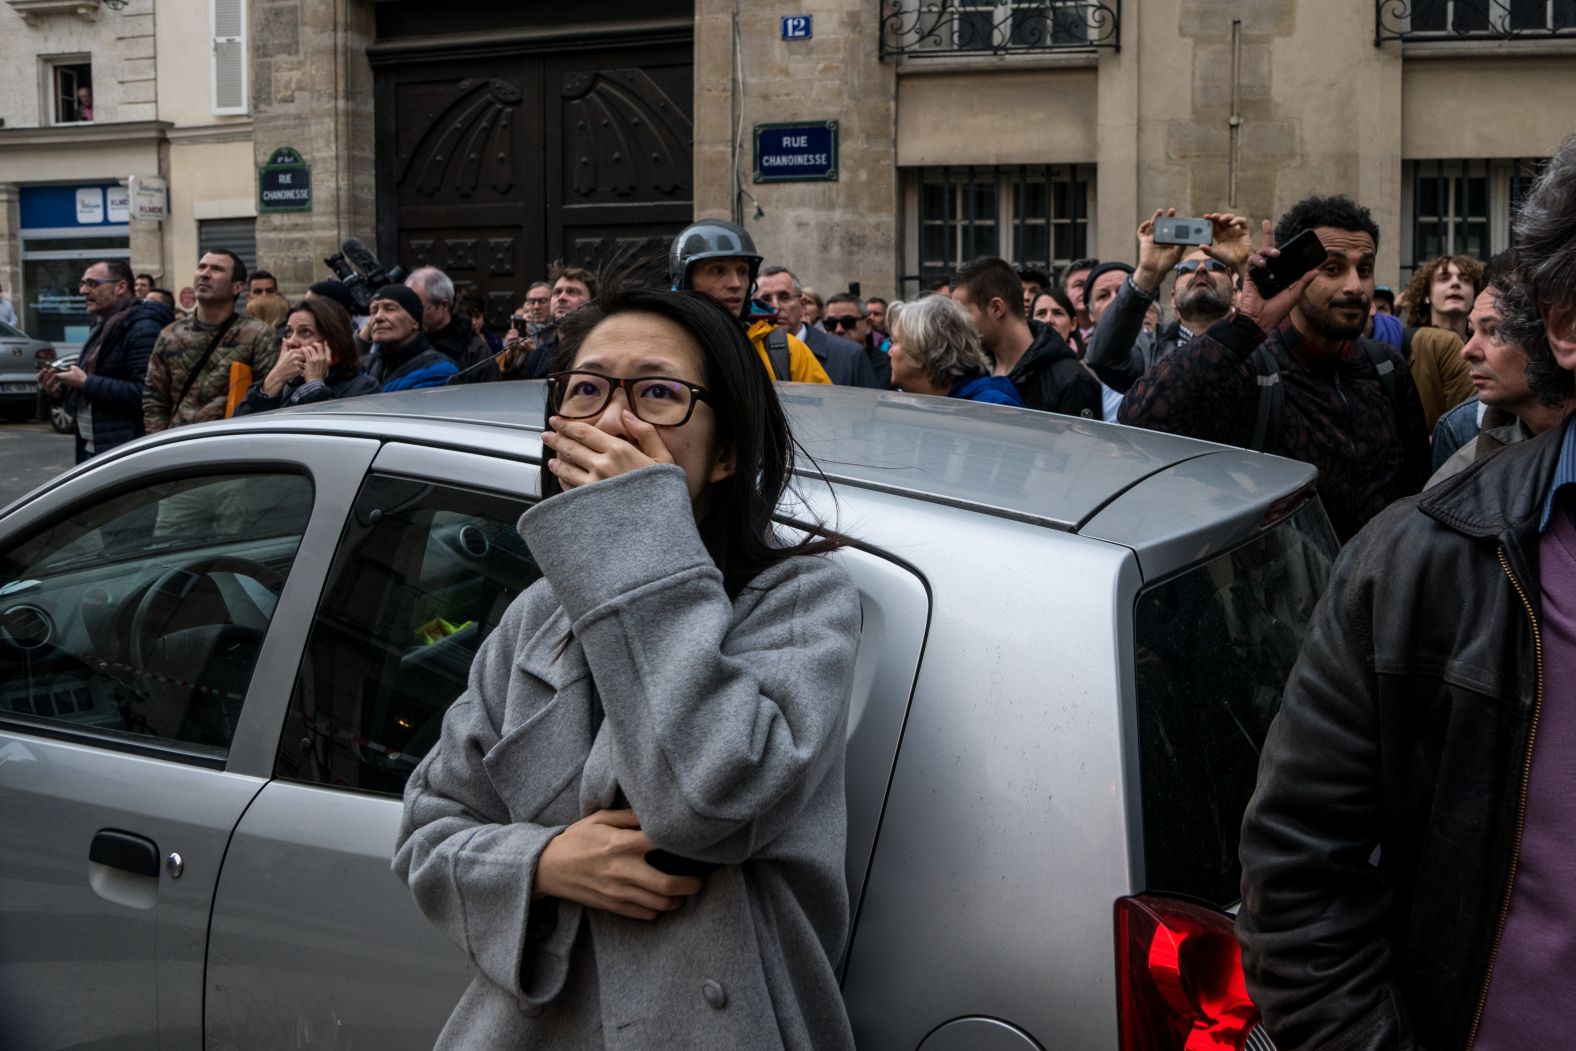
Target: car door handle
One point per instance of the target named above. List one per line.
(123, 850)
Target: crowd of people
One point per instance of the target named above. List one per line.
(1378, 391)
(1403, 882)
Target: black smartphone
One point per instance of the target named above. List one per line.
(674, 865)
(1297, 256)
(1180, 231)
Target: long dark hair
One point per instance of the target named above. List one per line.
(332, 322)
(737, 528)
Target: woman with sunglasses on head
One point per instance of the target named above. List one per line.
(317, 361)
(634, 819)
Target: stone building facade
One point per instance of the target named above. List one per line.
(490, 137)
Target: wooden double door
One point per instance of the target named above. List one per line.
(493, 167)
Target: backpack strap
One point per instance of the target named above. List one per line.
(1406, 343)
(777, 354)
(1384, 365)
(1272, 393)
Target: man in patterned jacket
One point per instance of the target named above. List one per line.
(189, 371)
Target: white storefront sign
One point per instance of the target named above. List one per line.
(90, 205)
(150, 197)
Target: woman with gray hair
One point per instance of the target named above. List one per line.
(935, 350)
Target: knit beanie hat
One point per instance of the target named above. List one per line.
(404, 297)
(336, 291)
(1103, 268)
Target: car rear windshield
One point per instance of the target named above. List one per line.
(1213, 648)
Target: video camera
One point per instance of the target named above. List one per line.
(359, 270)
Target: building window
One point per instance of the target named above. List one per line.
(942, 27)
(65, 229)
(1030, 215)
(70, 90)
(230, 91)
(1461, 207)
(233, 235)
(1419, 21)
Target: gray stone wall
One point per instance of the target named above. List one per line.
(830, 233)
(312, 90)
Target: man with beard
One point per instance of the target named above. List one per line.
(1120, 350)
(1348, 406)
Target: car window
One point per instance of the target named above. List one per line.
(141, 615)
(1213, 648)
(423, 574)
(7, 332)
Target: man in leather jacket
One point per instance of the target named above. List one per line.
(1405, 857)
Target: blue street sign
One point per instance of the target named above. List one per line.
(797, 27)
(798, 152)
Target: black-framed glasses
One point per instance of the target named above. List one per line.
(1214, 266)
(848, 321)
(661, 401)
(94, 282)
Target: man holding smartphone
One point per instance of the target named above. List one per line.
(1345, 405)
(1120, 350)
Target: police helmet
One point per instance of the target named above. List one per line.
(710, 239)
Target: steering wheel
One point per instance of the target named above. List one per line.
(164, 595)
(167, 698)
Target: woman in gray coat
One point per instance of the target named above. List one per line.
(634, 821)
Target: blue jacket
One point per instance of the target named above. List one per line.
(116, 370)
(416, 364)
(997, 390)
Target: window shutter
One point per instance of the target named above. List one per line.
(229, 57)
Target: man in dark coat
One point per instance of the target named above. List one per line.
(1359, 422)
(843, 359)
(1406, 855)
(1045, 370)
(447, 329)
(104, 388)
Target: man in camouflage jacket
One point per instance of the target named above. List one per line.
(220, 278)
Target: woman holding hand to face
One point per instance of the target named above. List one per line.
(317, 361)
(634, 820)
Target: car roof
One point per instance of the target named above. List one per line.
(1047, 468)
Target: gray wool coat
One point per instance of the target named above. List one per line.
(724, 727)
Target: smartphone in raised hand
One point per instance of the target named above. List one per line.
(1183, 231)
(1297, 256)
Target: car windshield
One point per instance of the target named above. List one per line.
(1213, 648)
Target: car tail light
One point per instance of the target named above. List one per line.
(44, 356)
(1179, 983)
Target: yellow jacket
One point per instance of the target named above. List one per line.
(801, 362)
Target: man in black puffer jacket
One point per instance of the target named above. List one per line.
(104, 388)
(1046, 372)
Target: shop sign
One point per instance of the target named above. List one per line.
(799, 152)
(284, 184)
(117, 204)
(150, 198)
(57, 207)
(90, 205)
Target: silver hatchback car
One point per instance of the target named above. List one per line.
(223, 649)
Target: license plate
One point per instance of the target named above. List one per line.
(18, 388)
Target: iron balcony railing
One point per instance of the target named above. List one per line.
(915, 28)
(1433, 21)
